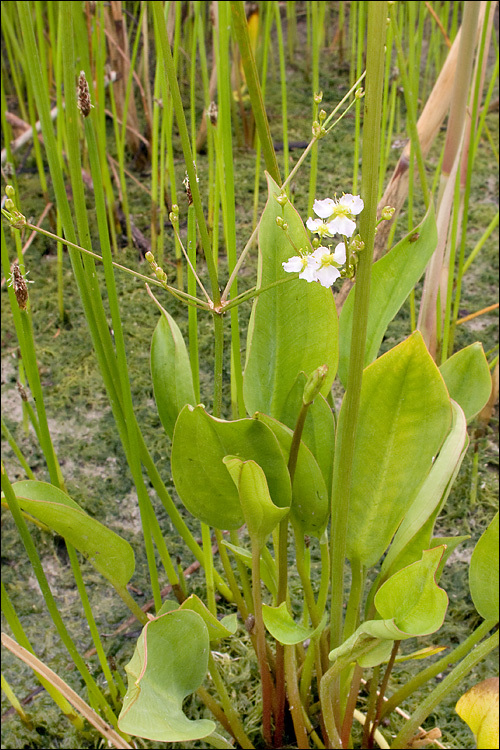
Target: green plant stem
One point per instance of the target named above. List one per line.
(346, 440)
(434, 669)
(17, 451)
(209, 568)
(265, 675)
(382, 691)
(75, 566)
(296, 708)
(231, 714)
(450, 682)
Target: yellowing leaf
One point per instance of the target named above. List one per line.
(478, 707)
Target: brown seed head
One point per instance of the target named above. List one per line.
(83, 103)
(20, 287)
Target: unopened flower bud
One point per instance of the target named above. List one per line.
(357, 244)
(359, 93)
(160, 274)
(388, 212)
(10, 191)
(280, 221)
(282, 198)
(149, 256)
(314, 384)
(10, 205)
(318, 98)
(322, 116)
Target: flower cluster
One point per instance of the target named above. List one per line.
(335, 217)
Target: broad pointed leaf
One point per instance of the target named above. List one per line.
(412, 598)
(405, 414)
(293, 326)
(414, 534)
(393, 278)
(169, 663)
(283, 627)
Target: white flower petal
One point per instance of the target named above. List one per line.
(342, 225)
(313, 224)
(292, 265)
(353, 202)
(327, 275)
(339, 256)
(324, 208)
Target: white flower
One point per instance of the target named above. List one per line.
(306, 265)
(327, 271)
(339, 213)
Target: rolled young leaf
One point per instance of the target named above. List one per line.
(260, 513)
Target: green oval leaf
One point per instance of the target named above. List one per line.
(169, 663)
(111, 555)
(201, 479)
(404, 416)
(171, 372)
(468, 379)
(483, 573)
(393, 278)
(293, 326)
(283, 627)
